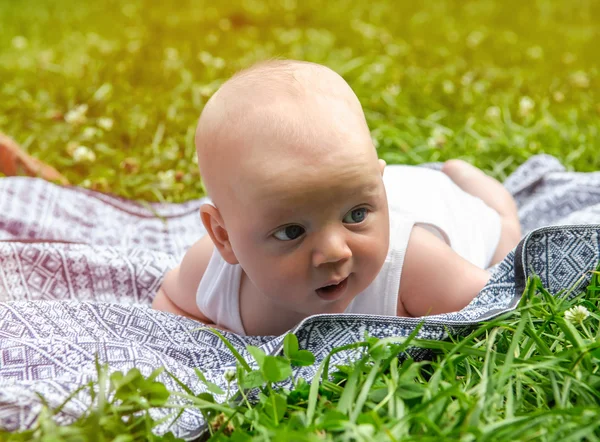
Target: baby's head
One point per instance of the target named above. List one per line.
(287, 158)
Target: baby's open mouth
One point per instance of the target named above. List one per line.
(332, 292)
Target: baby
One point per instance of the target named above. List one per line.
(304, 221)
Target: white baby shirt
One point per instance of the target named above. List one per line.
(416, 195)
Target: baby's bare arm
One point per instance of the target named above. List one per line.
(178, 291)
(435, 279)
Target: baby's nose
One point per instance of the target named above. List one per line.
(333, 248)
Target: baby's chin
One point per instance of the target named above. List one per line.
(330, 308)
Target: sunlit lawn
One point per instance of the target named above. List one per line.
(109, 93)
(490, 81)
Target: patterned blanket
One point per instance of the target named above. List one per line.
(78, 271)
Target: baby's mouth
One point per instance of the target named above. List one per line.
(334, 291)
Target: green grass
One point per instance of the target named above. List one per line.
(532, 375)
(489, 81)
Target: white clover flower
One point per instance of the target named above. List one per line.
(378, 68)
(229, 375)
(482, 145)
(83, 154)
(394, 89)
(519, 140)
(205, 57)
(535, 53)
(19, 42)
(467, 78)
(493, 113)
(558, 96)
(479, 87)
(206, 90)
(448, 87)
(577, 314)
(580, 79)
(105, 123)
(103, 92)
(218, 63)
(89, 133)
(438, 138)
(46, 57)
(172, 54)
(134, 46)
(77, 115)
(394, 49)
(526, 105)
(475, 38)
(166, 179)
(212, 38)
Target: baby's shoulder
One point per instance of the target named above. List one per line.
(195, 262)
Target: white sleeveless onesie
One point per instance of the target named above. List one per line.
(416, 195)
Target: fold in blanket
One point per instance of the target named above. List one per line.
(78, 271)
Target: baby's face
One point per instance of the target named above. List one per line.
(312, 232)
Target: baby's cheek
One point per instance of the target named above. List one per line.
(278, 274)
(370, 254)
(290, 269)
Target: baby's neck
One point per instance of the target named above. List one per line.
(260, 316)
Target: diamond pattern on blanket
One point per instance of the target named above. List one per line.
(563, 256)
(33, 209)
(78, 271)
(63, 271)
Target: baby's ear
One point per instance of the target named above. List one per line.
(214, 225)
(381, 166)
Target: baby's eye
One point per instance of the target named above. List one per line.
(356, 216)
(289, 233)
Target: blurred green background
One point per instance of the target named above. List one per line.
(109, 92)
